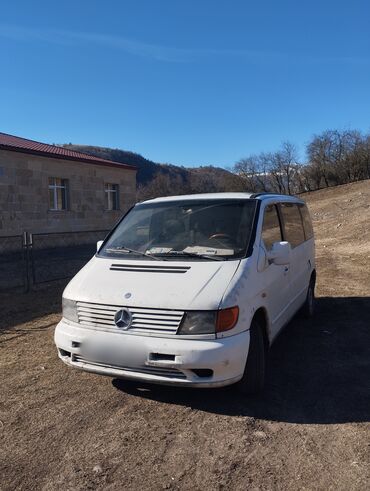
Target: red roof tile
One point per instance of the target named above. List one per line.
(17, 144)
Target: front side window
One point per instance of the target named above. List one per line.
(111, 197)
(307, 224)
(293, 227)
(271, 232)
(214, 229)
(58, 193)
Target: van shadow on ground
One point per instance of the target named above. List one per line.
(319, 372)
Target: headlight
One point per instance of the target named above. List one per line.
(209, 322)
(69, 309)
(199, 322)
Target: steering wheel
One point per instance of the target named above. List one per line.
(220, 239)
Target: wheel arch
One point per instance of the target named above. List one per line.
(313, 277)
(261, 317)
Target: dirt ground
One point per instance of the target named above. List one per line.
(65, 429)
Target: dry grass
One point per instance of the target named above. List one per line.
(65, 429)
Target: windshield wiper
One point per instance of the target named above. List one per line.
(123, 250)
(190, 254)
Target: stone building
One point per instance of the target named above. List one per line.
(46, 188)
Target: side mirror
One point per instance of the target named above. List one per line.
(99, 244)
(279, 253)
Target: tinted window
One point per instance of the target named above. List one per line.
(307, 224)
(293, 228)
(271, 227)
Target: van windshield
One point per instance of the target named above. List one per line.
(197, 229)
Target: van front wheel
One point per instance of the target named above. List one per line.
(308, 307)
(253, 379)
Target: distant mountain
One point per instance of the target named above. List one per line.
(188, 179)
(147, 169)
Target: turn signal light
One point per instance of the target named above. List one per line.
(226, 319)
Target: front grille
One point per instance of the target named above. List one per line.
(158, 372)
(155, 321)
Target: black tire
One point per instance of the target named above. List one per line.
(253, 379)
(308, 308)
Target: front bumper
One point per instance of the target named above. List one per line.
(169, 361)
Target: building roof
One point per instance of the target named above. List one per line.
(23, 145)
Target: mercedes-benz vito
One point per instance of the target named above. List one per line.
(191, 290)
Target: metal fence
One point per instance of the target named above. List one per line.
(31, 259)
(13, 261)
(61, 255)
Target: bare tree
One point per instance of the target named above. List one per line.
(365, 157)
(289, 158)
(284, 168)
(319, 155)
(265, 161)
(255, 172)
(247, 169)
(338, 157)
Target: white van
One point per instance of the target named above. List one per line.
(191, 290)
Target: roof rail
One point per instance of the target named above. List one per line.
(256, 195)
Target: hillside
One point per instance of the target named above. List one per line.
(341, 218)
(147, 169)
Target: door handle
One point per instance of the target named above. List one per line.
(286, 269)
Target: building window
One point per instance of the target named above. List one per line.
(58, 191)
(111, 197)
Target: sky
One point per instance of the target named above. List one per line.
(188, 82)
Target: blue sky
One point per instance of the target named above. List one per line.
(187, 82)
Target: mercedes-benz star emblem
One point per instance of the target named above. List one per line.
(123, 319)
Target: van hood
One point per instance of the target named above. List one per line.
(194, 285)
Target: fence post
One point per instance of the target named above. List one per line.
(25, 262)
(32, 262)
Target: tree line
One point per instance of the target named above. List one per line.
(333, 157)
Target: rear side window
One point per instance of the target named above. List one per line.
(271, 227)
(293, 227)
(307, 224)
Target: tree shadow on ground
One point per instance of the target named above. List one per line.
(319, 372)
